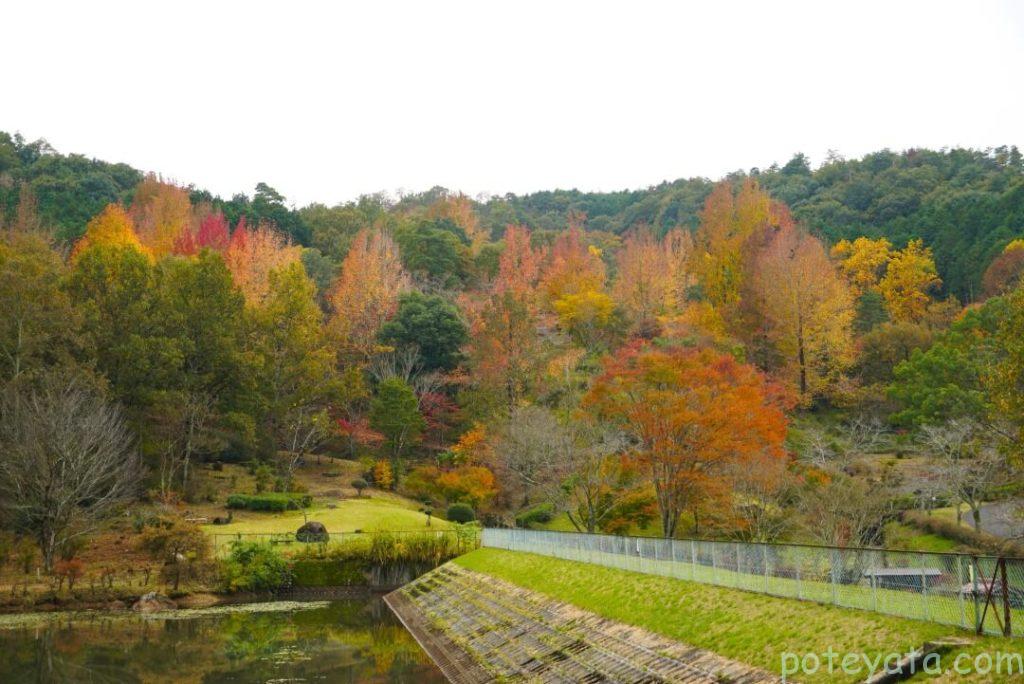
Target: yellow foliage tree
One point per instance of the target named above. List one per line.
(573, 268)
(383, 477)
(863, 261)
(806, 310)
(726, 222)
(112, 226)
(908, 282)
(585, 314)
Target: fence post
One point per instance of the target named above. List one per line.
(924, 587)
(714, 564)
(977, 599)
(799, 589)
(764, 549)
(736, 547)
(1007, 627)
(834, 570)
(960, 590)
(693, 560)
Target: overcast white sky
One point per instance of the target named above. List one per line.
(328, 101)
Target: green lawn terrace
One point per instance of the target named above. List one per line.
(948, 589)
(343, 518)
(749, 627)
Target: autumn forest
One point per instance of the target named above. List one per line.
(792, 353)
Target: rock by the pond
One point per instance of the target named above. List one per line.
(117, 605)
(153, 602)
(312, 532)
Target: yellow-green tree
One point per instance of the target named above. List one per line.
(863, 261)
(111, 227)
(726, 222)
(573, 267)
(908, 282)
(806, 310)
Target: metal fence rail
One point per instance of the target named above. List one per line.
(981, 593)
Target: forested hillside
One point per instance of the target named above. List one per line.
(965, 204)
(784, 354)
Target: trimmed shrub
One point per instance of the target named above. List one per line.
(461, 513)
(311, 532)
(359, 484)
(540, 514)
(275, 502)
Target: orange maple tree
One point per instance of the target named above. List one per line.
(251, 256)
(645, 281)
(161, 212)
(519, 263)
(695, 414)
(573, 267)
(366, 292)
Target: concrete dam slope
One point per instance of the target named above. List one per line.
(478, 628)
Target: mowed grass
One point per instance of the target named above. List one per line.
(748, 627)
(368, 514)
(900, 536)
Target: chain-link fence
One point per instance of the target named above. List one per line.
(974, 592)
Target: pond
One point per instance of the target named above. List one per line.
(347, 640)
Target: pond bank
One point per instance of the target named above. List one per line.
(123, 602)
(478, 628)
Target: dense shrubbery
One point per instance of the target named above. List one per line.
(274, 502)
(540, 514)
(255, 566)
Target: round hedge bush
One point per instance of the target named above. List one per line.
(461, 513)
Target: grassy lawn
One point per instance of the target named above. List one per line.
(348, 515)
(749, 627)
(900, 536)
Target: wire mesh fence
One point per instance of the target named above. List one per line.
(981, 593)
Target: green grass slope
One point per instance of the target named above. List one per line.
(748, 627)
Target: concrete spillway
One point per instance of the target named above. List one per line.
(481, 629)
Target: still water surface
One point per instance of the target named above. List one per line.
(349, 640)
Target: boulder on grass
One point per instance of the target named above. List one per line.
(153, 602)
(312, 532)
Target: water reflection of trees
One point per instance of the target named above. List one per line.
(352, 640)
